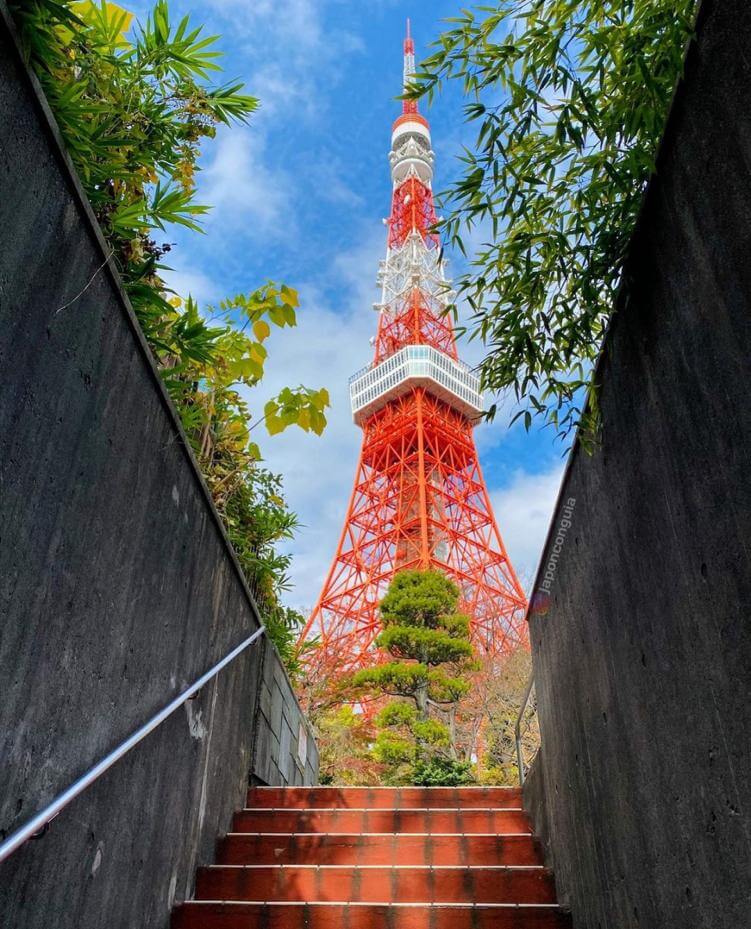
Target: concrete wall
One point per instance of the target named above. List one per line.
(284, 751)
(643, 658)
(118, 587)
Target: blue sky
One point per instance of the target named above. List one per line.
(298, 197)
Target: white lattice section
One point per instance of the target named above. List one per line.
(415, 366)
(413, 265)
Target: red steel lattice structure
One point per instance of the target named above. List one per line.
(419, 498)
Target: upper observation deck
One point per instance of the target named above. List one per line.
(415, 366)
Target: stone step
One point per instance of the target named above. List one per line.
(405, 884)
(358, 849)
(412, 821)
(257, 915)
(377, 798)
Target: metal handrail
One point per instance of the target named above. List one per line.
(518, 726)
(45, 816)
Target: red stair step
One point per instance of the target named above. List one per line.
(275, 848)
(222, 915)
(369, 821)
(370, 858)
(378, 798)
(376, 884)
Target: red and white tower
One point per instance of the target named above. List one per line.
(419, 499)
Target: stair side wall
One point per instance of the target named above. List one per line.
(641, 638)
(118, 587)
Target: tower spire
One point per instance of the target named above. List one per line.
(408, 106)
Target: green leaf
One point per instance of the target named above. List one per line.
(290, 296)
(261, 330)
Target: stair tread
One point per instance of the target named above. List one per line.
(325, 915)
(406, 835)
(383, 809)
(381, 797)
(379, 849)
(390, 905)
(453, 820)
(387, 867)
(376, 884)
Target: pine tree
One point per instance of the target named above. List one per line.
(428, 643)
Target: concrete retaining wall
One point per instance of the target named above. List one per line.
(118, 587)
(643, 658)
(284, 751)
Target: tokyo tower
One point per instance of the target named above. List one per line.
(419, 498)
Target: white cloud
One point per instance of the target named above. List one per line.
(272, 85)
(306, 53)
(243, 188)
(326, 175)
(298, 19)
(328, 345)
(192, 282)
(523, 509)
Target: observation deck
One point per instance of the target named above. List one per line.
(451, 381)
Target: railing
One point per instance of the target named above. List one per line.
(38, 823)
(452, 380)
(520, 720)
(373, 364)
(363, 370)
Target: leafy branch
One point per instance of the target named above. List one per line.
(568, 99)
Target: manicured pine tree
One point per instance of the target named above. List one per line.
(431, 655)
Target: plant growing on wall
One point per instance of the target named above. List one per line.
(568, 99)
(430, 654)
(134, 104)
(218, 420)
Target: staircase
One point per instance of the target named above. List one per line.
(376, 858)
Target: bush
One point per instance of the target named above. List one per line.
(442, 772)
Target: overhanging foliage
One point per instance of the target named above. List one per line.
(569, 99)
(134, 103)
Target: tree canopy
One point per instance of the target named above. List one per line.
(428, 644)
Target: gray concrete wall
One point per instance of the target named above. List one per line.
(643, 655)
(285, 751)
(118, 587)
